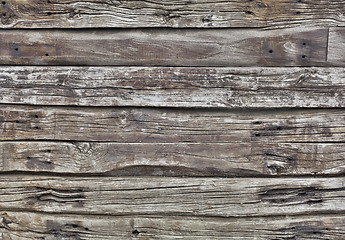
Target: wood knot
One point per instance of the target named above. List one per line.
(7, 15)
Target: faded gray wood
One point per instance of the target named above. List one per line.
(174, 87)
(23, 225)
(145, 125)
(176, 159)
(163, 47)
(336, 46)
(216, 197)
(173, 13)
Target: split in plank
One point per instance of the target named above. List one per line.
(175, 159)
(170, 13)
(170, 125)
(24, 225)
(164, 47)
(212, 197)
(174, 87)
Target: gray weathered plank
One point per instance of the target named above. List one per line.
(176, 159)
(163, 47)
(145, 125)
(336, 46)
(170, 13)
(174, 87)
(23, 225)
(216, 197)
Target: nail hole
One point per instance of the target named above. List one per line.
(304, 44)
(304, 56)
(86, 229)
(298, 13)
(257, 134)
(3, 3)
(47, 54)
(74, 225)
(4, 14)
(49, 2)
(16, 49)
(257, 122)
(49, 151)
(249, 12)
(35, 116)
(270, 51)
(49, 13)
(135, 232)
(37, 127)
(299, 1)
(28, 158)
(17, 121)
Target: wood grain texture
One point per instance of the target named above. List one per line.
(213, 197)
(336, 46)
(174, 87)
(163, 47)
(176, 159)
(175, 13)
(23, 225)
(145, 125)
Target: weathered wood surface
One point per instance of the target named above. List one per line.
(23, 225)
(214, 197)
(162, 47)
(174, 87)
(176, 159)
(145, 125)
(336, 46)
(175, 13)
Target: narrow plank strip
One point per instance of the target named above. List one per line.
(173, 13)
(176, 159)
(163, 47)
(174, 87)
(23, 225)
(217, 197)
(144, 125)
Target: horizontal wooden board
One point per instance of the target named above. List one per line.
(145, 125)
(175, 159)
(173, 13)
(164, 47)
(23, 225)
(213, 197)
(174, 87)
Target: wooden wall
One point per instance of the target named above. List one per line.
(172, 119)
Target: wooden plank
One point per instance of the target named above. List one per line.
(165, 47)
(176, 159)
(23, 225)
(173, 13)
(174, 87)
(336, 46)
(145, 125)
(213, 197)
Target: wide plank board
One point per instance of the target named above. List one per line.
(170, 13)
(163, 47)
(213, 197)
(169, 125)
(174, 87)
(175, 159)
(24, 225)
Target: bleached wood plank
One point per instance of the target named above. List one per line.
(216, 197)
(23, 225)
(174, 87)
(176, 159)
(165, 47)
(173, 13)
